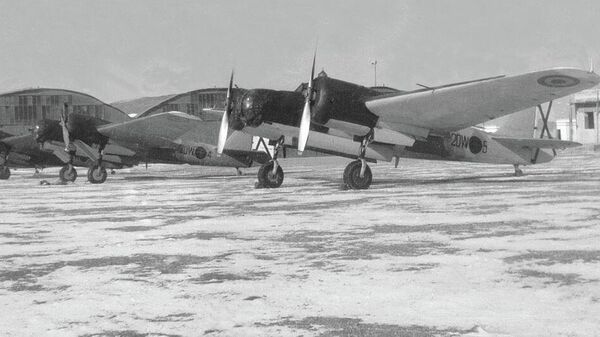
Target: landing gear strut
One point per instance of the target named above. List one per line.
(97, 173)
(270, 174)
(4, 170)
(357, 175)
(68, 172)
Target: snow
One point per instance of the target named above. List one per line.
(432, 248)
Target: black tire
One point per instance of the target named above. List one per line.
(352, 177)
(65, 175)
(267, 179)
(4, 173)
(97, 174)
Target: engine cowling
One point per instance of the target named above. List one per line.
(47, 130)
(265, 105)
(85, 128)
(332, 98)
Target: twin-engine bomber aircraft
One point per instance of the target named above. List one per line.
(168, 137)
(350, 120)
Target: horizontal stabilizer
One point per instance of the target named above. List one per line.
(533, 143)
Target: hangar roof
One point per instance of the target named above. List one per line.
(169, 98)
(33, 91)
(137, 106)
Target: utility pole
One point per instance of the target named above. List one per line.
(374, 63)
(596, 117)
(571, 107)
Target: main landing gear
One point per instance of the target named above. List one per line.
(4, 170)
(357, 175)
(68, 172)
(518, 171)
(97, 173)
(270, 174)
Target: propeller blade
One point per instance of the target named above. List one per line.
(224, 130)
(65, 130)
(306, 112)
(304, 127)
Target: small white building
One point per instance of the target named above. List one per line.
(584, 117)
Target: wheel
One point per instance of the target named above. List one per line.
(518, 173)
(97, 174)
(267, 179)
(4, 173)
(352, 177)
(67, 174)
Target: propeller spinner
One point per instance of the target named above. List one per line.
(224, 130)
(306, 112)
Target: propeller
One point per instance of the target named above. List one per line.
(224, 130)
(305, 121)
(65, 130)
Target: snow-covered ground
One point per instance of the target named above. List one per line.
(430, 249)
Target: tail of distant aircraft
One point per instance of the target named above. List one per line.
(518, 133)
(518, 125)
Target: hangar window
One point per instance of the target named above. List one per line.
(589, 120)
(171, 107)
(45, 111)
(191, 109)
(99, 112)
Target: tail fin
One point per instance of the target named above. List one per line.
(517, 125)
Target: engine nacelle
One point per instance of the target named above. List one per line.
(331, 99)
(344, 101)
(85, 128)
(47, 130)
(264, 105)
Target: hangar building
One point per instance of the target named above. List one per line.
(585, 107)
(21, 110)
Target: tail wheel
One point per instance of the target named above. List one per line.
(97, 174)
(67, 174)
(267, 178)
(4, 173)
(352, 177)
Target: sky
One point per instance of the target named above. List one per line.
(116, 50)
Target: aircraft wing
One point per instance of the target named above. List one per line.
(174, 129)
(536, 143)
(20, 143)
(455, 107)
(159, 130)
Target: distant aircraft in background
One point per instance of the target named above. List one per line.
(350, 120)
(22, 110)
(169, 137)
